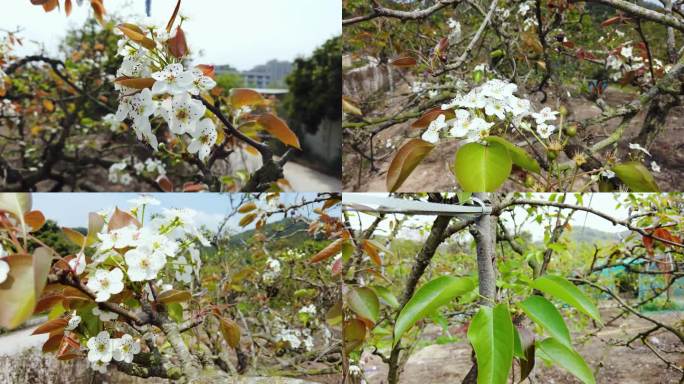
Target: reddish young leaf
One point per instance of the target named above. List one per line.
(431, 115)
(121, 219)
(99, 10)
(331, 250)
(207, 70)
(135, 82)
(372, 252)
(403, 62)
(67, 7)
(165, 184)
(50, 326)
(52, 344)
(35, 220)
(177, 45)
(405, 161)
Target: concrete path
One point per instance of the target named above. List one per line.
(305, 179)
(18, 341)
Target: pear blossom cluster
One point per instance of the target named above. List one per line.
(272, 271)
(486, 106)
(170, 97)
(119, 172)
(102, 349)
(163, 247)
(296, 338)
(623, 60)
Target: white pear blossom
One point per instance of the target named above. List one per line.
(74, 321)
(185, 113)
(99, 366)
(545, 130)
(104, 315)
(172, 79)
(203, 138)
(125, 348)
(106, 283)
(638, 147)
(144, 200)
(309, 309)
(118, 174)
(544, 115)
(607, 173)
(4, 271)
(432, 133)
(118, 238)
(655, 167)
(78, 264)
(100, 348)
(183, 270)
(143, 264)
(200, 82)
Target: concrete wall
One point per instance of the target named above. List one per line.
(324, 147)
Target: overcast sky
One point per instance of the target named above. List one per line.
(604, 202)
(243, 33)
(71, 209)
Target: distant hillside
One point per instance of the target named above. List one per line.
(590, 235)
(294, 230)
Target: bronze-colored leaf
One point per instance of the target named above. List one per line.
(169, 25)
(50, 326)
(121, 219)
(429, 116)
(246, 219)
(230, 331)
(35, 220)
(331, 250)
(177, 45)
(403, 62)
(135, 82)
(405, 161)
(279, 129)
(240, 97)
(174, 296)
(247, 207)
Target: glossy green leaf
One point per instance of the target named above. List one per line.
(491, 335)
(553, 350)
(545, 314)
(524, 350)
(636, 176)
(563, 290)
(386, 295)
(428, 298)
(25, 281)
(519, 156)
(364, 302)
(482, 168)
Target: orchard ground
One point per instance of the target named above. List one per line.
(448, 363)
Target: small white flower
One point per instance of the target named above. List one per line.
(106, 283)
(544, 115)
(125, 348)
(144, 200)
(203, 138)
(143, 264)
(626, 52)
(100, 348)
(201, 82)
(309, 309)
(185, 113)
(431, 135)
(183, 270)
(638, 147)
(4, 271)
(607, 173)
(479, 129)
(99, 365)
(655, 167)
(78, 264)
(495, 108)
(74, 321)
(104, 315)
(545, 130)
(172, 79)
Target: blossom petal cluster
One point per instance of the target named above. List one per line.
(486, 106)
(171, 96)
(102, 349)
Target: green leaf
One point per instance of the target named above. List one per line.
(563, 290)
(428, 298)
(545, 314)
(17, 204)
(482, 168)
(635, 176)
(491, 335)
(386, 295)
(405, 161)
(364, 302)
(25, 281)
(553, 350)
(519, 156)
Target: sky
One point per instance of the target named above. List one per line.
(604, 202)
(71, 209)
(242, 33)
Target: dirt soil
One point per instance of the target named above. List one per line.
(434, 175)
(448, 363)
